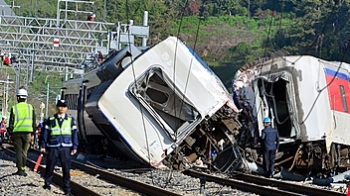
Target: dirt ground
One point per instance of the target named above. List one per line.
(214, 44)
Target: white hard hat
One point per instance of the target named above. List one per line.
(22, 93)
(4, 117)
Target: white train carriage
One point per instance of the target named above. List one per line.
(78, 91)
(164, 100)
(307, 98)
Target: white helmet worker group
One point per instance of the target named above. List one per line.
(22, 93)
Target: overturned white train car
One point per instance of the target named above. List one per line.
(307, 98)
(77, 91)
(165, 107)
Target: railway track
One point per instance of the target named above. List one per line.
(238, 181)
(257, 184)
(285, 185)
(112, 178)
(123, 181)
(77, 189)
(263, 186)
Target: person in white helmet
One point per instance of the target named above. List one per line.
(21, 129)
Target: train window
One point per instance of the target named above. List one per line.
(343, 97)
(155, 91)
(157, 96)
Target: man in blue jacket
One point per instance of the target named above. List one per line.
(60, 140)
(270, 142)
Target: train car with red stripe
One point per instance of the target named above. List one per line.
(308, 100)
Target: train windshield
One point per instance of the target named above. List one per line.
(160, 98)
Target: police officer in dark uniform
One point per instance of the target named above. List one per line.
(60, 140)
(270, 142)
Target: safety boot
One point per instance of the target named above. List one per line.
(20, 173)
(67, 193)
(47, 187)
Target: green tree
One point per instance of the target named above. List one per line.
(320, 30)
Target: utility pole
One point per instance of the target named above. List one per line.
(32, 64)
(27, 78)
(6, 96)
(42, 106)
(104, 10)
(36, 8)
(145, 24)
(31, 8)
(7, 93)
(249, 22)
(47, 99)
(18, 76)
(3, 105)
(66, 78)
(248, 9)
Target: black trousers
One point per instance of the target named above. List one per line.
(2, 137)
(63, 155)
(269, 162)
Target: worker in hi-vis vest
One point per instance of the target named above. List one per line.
(21, 129)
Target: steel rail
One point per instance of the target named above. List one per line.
(116, 179)
(258, 189)
(123, 181)
(285, 185)
(77, 189)
(135, 185)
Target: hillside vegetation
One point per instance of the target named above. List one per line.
(227, 33)
(37, 89)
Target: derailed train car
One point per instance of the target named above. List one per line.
(76, 91)
(165, 107)
(307, 98)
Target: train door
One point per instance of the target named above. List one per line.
(275, 101)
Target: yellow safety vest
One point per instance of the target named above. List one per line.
(66, 128)
(23, 113)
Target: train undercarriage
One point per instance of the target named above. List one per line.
(212, 145)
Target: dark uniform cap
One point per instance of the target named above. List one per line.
(61, 103)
